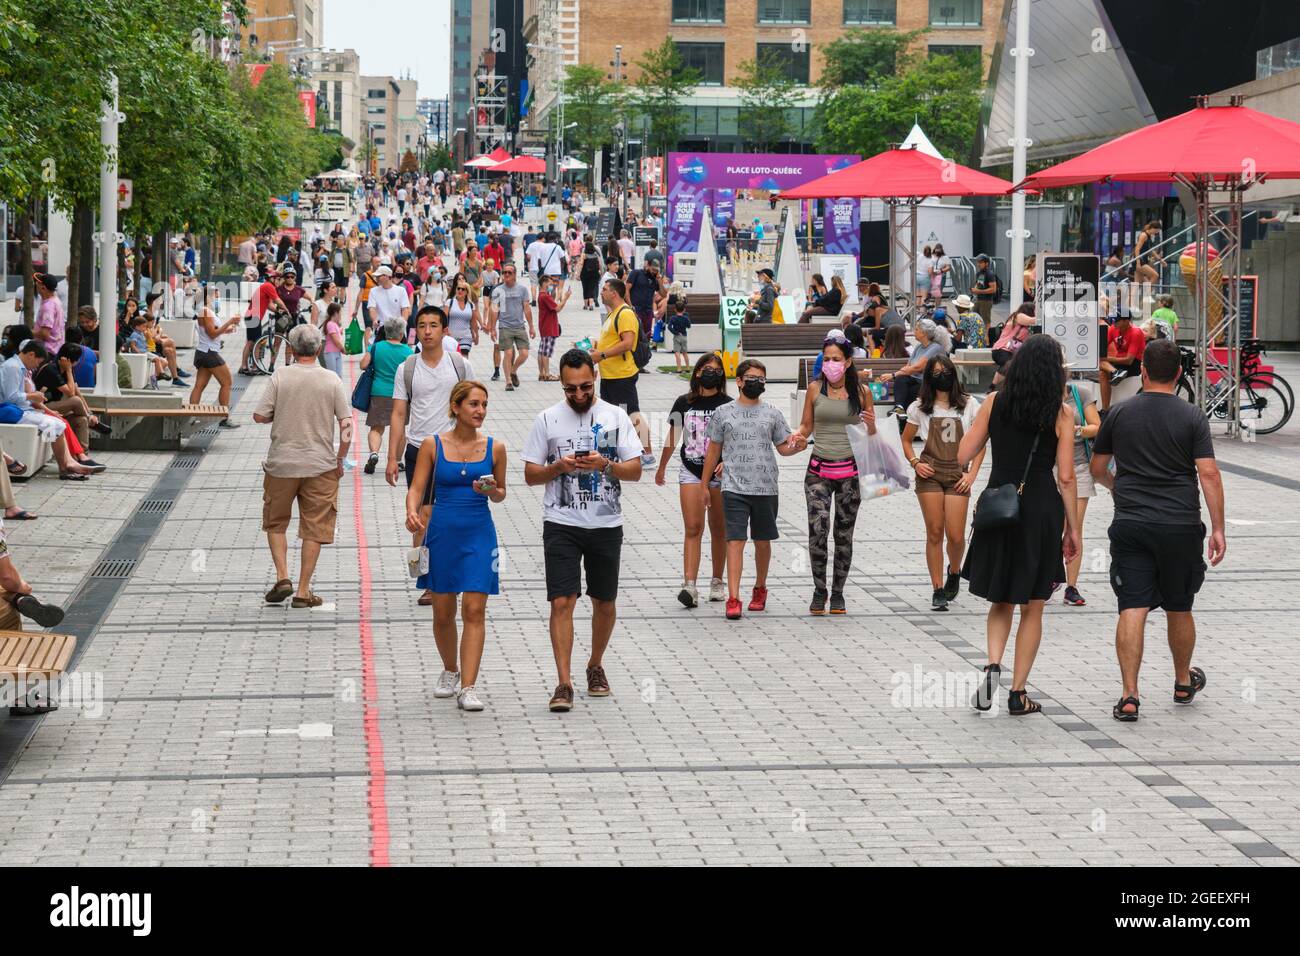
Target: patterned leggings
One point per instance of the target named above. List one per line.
(848, 496)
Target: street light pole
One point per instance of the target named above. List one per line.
(1020, 146)
(618, 78)
(106, 379)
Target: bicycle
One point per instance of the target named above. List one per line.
(1267, 399)
(275, 337)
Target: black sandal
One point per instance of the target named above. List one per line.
(983, 699)
(1191, 690)
(1119, 713)
(1019, 704)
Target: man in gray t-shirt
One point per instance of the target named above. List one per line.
(742, 435)
(510, 313)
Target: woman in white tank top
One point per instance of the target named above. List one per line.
(208, 363)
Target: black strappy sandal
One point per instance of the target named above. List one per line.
(1119, 713)
(983, 698)
(1019, 704)
(1191, 690)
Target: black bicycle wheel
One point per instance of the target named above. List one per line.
(1185, 391)
(1264, 404)
(266, 351)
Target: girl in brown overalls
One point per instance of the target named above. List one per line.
(941, 416)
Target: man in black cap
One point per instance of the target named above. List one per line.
(763, 301)
(986, 289)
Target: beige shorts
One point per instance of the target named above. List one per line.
(512, 339)
(317, 499)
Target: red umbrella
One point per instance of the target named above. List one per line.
(897, 174)
(521, 164)
(499, 155)
(1208, 143)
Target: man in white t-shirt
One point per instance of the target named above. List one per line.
(626, 246)
(388, 299)
(401, 200)
(421, 398)
(582, 450)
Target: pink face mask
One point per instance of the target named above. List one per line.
(834, 371)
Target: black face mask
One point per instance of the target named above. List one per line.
(753, 389)
(710, 378)
(941, 383)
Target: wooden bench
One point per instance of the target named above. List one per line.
(876, 367)
(154, 428)
(30, 662)
(703, 308)
(185, 411)
(761, 338)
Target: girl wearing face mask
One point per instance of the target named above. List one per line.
(835, 399)
(940, 417)
(690, 415)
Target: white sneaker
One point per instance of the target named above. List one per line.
(447, 684)
(647, 460)
(688, 595)
(717, 590)
(467, 699)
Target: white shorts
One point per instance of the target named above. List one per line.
(686, 477)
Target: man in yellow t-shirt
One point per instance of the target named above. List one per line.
(613, 353)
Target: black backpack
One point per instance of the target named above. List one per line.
(641, 352)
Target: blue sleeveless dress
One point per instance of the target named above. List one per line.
(461, 538)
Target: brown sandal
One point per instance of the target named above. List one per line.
(311, 600)
(283, 588)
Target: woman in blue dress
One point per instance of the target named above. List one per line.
(466, 470)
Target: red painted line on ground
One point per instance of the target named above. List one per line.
(376, 796)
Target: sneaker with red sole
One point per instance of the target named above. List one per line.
(759, 601)
(733, 609)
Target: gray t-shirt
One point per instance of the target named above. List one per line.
(747, 434)
(925, 353)
(1156, 438)
(509, 302)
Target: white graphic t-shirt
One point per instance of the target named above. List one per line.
(584, 499)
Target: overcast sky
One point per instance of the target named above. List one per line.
(393, 37)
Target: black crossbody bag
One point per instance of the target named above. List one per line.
(1000, 507)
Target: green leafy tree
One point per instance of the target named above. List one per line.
(590, 99)
(865, 57)
(658, 91)
(942, 94)
(767, 95)
(438, 157)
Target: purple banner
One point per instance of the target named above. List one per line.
(841, 226)
(699, 179)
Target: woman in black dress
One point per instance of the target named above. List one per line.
(589, 274)
(1023, 563)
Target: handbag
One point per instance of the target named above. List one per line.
(353, 339)
(1083, 419)
(417, 558)
(1000, 507)
(365, 384)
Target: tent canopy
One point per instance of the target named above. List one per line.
(338, 174)
(521, 164)
(1222, 143)
(901, 174)
(917, 139)
(481, 162)
(572, 164)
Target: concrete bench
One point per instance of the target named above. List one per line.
(24, 443)
(138, 363)
(30, 663)
(975, 368)
(184, 332)
(151, 421)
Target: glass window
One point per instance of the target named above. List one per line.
(706, 120)
(956, 13)
(708, 58)
(794, 62)
(872, 12)
(728, 121)
(965, 54)
(699, 11)
(784, 11)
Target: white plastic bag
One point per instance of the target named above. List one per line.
(882, 466)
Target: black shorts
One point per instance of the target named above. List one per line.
(568, 549)
(208, 360)
(1155, 566)
(621, 391)
(365, 315)
(408, 460)
(252, 332)
(750, 517)
(1002, 356)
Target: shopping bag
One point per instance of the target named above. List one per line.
(658, 334)
(365, 383)
(353, 339)
(882, 467)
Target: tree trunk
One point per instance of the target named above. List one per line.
(73, 278)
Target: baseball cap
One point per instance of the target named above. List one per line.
(766, 272)
(384, 271)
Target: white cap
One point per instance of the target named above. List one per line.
(384, 271)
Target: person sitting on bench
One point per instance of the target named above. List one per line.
(1124, 348)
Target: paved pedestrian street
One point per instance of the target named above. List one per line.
(217, 729)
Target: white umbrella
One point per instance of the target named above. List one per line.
(572, 164)
(482, 162)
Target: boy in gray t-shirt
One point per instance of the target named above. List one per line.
(741, 436)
